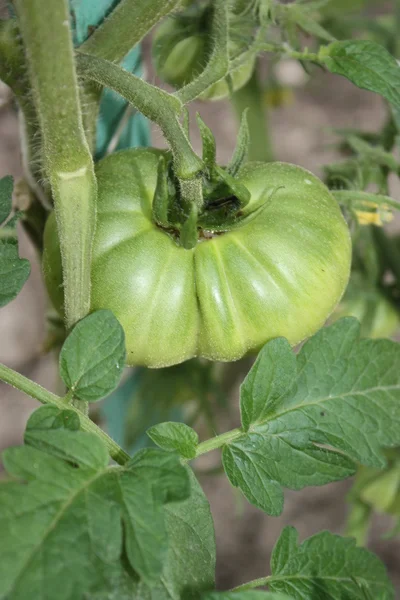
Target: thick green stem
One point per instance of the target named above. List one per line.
(251, 96)
(159, 106)
(67, 160)
(36, 391)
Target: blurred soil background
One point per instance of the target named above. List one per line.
(302, 133)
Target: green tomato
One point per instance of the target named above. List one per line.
(280, 273)
(179, 59)
(377, 315)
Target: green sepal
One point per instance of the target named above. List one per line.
(238, 189)
(189, 233)
(161, 195)
(242, 146)
(214, 221)
(208, 142)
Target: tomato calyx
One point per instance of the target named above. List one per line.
(223, 196)
(224, 200)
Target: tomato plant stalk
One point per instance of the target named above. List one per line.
(67, 159)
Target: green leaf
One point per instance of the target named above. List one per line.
(208, 142)
(326, 566)
(175, 436)
(307, 419)
(93, 356)
(51, 417)
(62, 523)
(242, 146)
(6, 190)
(263, 386)
(189, 565)
(366, 64)
(261, 463)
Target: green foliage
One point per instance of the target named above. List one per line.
(93, 356)
(326, 566)
(14, 271)
(72, 525)
(70, 495)
(175, 436)
(367, 64)
(307, 418)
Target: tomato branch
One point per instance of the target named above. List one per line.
(218, 441)
(36, 391)
(125, 27)
(157, 105)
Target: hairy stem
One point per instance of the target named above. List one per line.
(36, 391)
(218, 65)
(126, 26)
(159, 106)
(123, 29)
(67, 160)
(13, 73)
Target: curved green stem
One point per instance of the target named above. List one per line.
(218, 65)
(123, 29)
(159, 106)
(36, 391)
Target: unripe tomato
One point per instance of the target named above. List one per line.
(281, 273)
(377, 315)
(179, 58)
